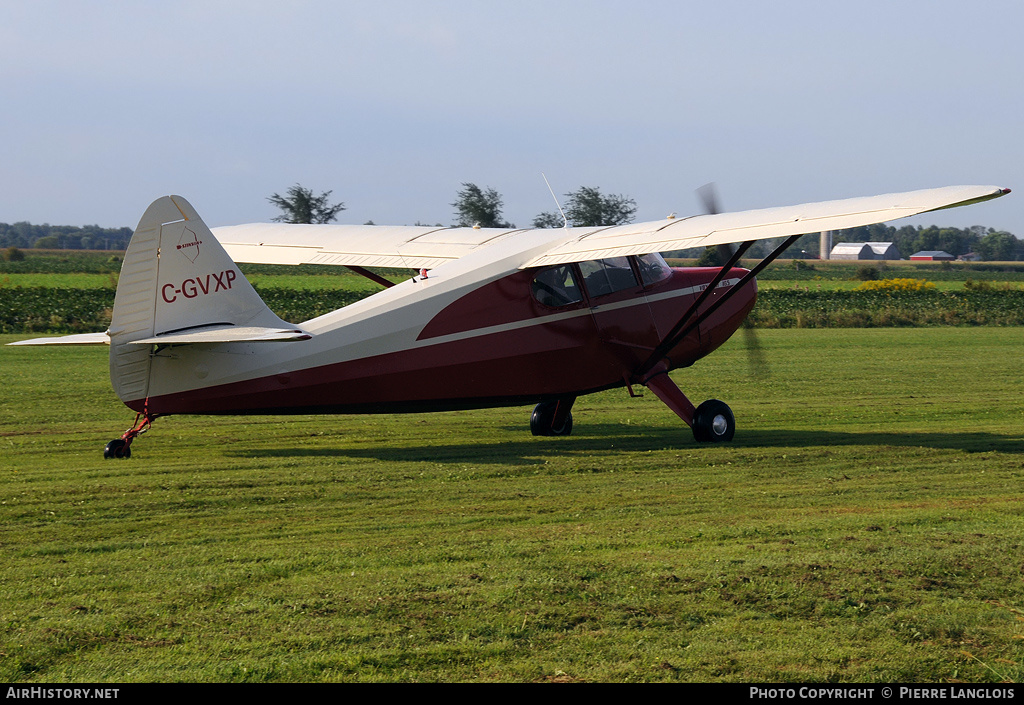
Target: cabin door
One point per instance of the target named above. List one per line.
(620, 310)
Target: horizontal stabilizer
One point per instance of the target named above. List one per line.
(226, 334)
(80, 339)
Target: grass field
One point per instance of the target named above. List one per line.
(864, 526)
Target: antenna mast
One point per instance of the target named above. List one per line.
(565, 221)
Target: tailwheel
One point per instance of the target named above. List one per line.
(552, 418)
(121, 448)
(713, 422)
(117, 448)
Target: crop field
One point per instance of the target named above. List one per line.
(865, 525)
(53, 292)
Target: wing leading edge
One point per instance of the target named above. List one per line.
(743, 226)
(353, 245)
(418, 246)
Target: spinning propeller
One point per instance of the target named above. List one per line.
(708, 195)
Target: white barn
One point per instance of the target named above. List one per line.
(865, 251)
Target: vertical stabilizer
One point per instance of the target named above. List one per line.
(175, 278)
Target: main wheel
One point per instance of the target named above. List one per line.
(713, 422)
(117, 448)
(543, 417)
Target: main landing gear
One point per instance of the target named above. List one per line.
(552, 418)
(712, 421)
(121, 448)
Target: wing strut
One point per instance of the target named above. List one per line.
(679, 332)
(363, 272)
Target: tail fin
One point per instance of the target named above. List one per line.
(179, 286)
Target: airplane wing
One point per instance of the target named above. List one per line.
(419, 246)
(742, 226)
(353, 245)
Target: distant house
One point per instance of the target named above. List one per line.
(932, 256)
(969, 257)
(865, 251)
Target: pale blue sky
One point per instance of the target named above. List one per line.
(392, 104)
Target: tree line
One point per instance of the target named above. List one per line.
(63, 237)
(585, 207)
(474, 206)
(987, 243)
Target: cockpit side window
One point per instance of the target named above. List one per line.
(653, 268)
(556, 286)
(606, 276)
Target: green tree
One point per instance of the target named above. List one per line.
(300, 205)
(588, 207)
(998, 246)
(910, 239)
(476, 206)
(548, 220)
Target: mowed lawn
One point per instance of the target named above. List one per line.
(866, 525)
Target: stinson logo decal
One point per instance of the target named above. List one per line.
(199, 286)
(188, 245)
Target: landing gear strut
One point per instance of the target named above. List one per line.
(712, 421)
(121, 448)
(552, 418)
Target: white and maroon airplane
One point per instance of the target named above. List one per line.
(494, 318)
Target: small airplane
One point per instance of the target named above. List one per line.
(494, 317)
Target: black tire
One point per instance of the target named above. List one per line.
(543, 417)
(713, 422)
(117, 448)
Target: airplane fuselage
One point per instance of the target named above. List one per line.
(457, 339)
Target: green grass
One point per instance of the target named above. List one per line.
(865, 525)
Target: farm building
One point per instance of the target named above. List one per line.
(865, 250)
(932, 256)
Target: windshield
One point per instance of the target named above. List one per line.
(653, 268)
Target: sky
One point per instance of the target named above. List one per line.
(392, 105)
